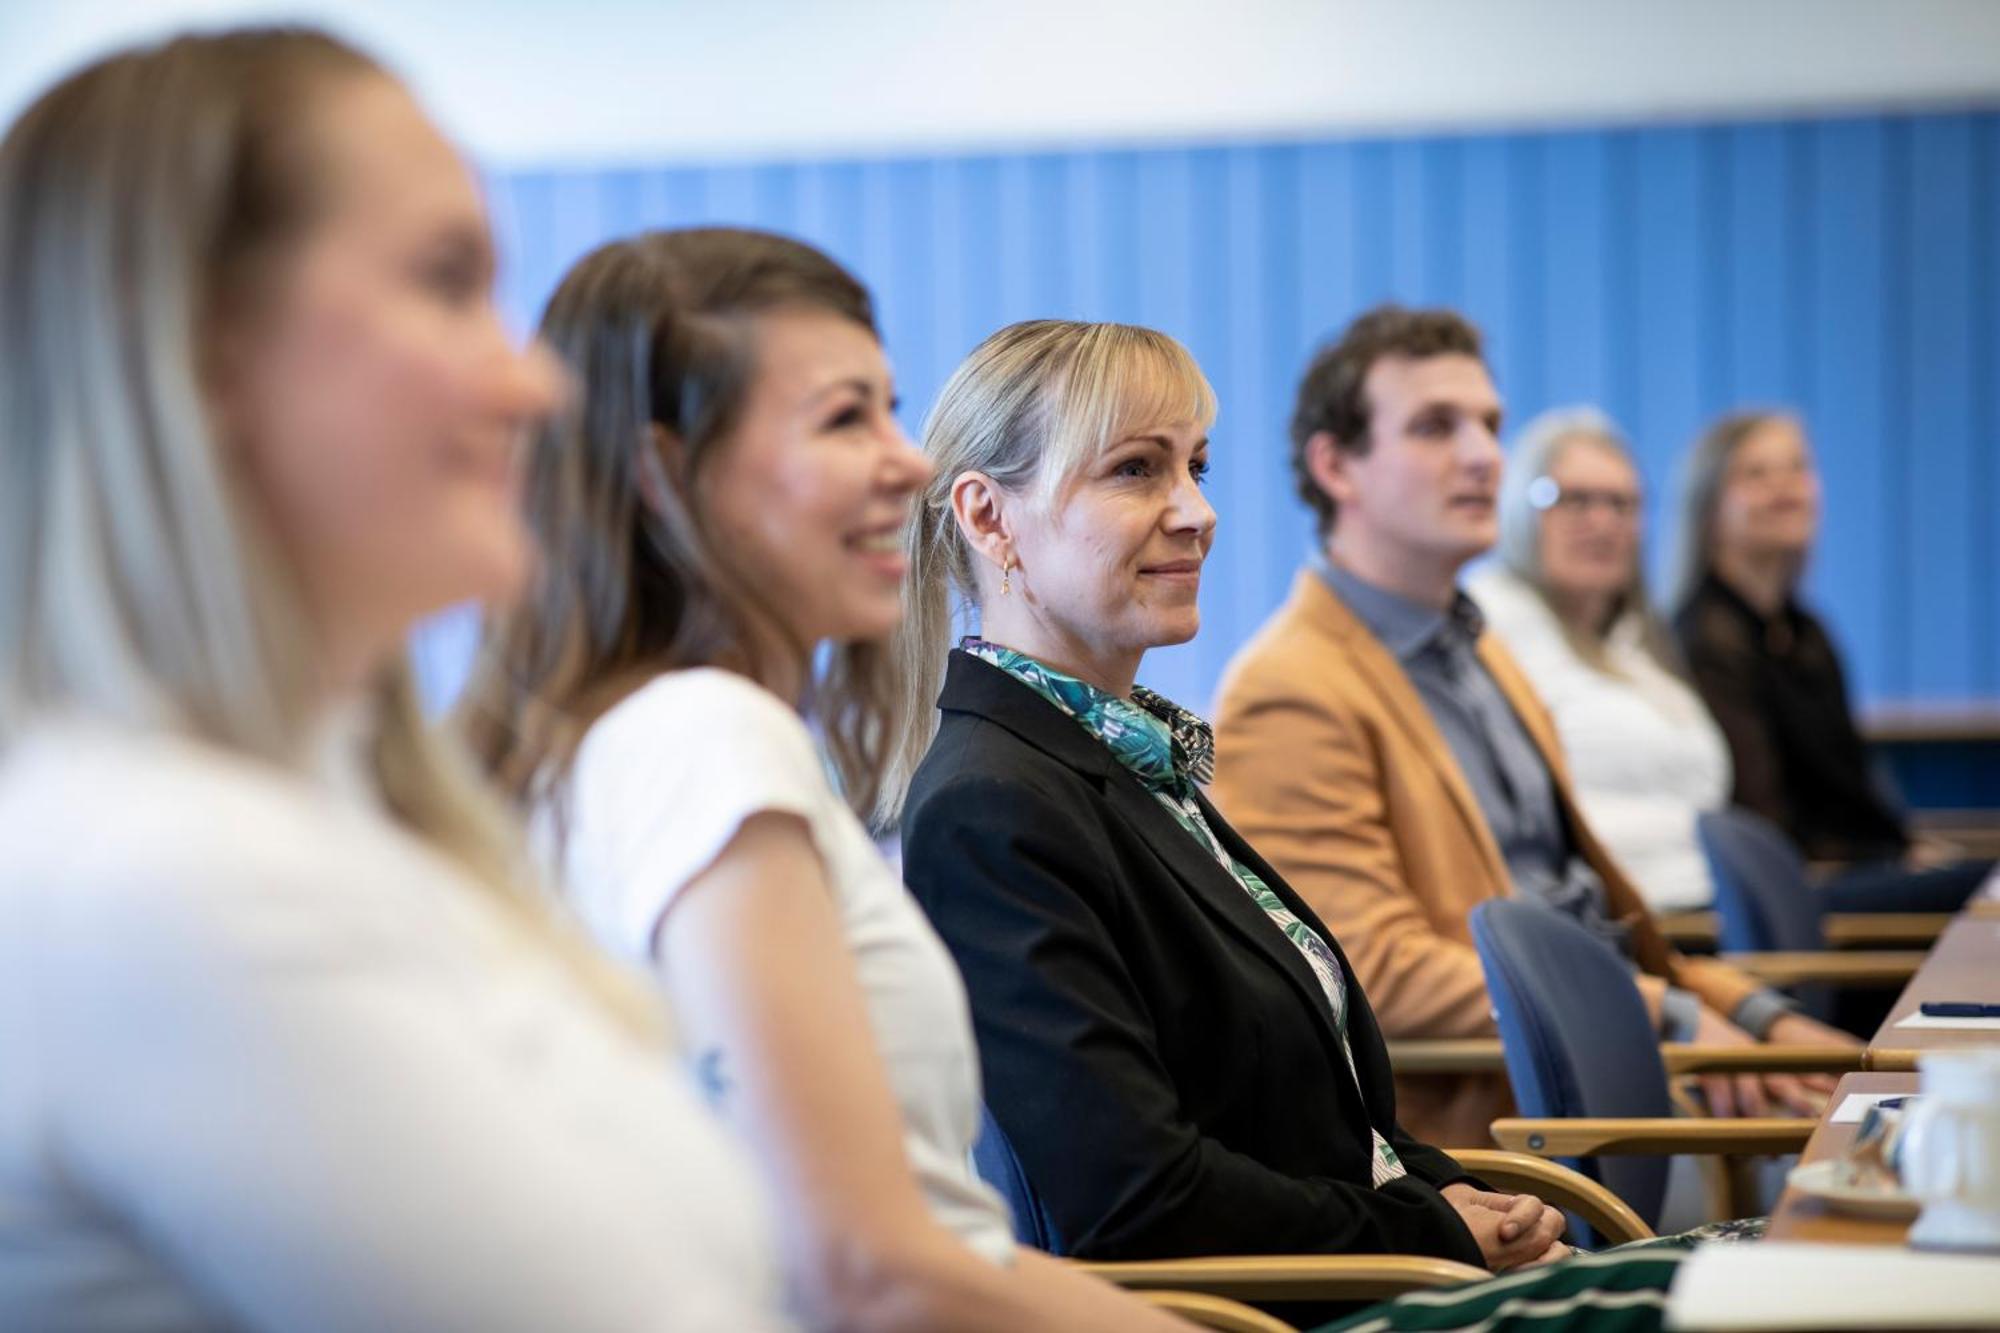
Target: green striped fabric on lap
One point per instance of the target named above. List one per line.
(1618, 1291)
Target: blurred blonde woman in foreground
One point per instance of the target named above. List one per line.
(287, 1046)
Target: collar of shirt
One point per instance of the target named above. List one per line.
(1406, 628)
(1164, 745)
(1788, 613)
(1777, 634)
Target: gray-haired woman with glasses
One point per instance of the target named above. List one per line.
(1568, 595)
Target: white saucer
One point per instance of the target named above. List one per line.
(1818, 1179)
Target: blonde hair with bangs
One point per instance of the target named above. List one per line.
(142, 200)
(1030, 409)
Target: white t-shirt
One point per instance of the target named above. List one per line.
(269, 1062)
(1644, 753)
(660, 786)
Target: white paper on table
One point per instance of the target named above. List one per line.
(1855, 1105)
(1779, 1285)
(1923, 1020)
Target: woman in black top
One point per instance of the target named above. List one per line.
(1769, 672)
(1170, 1040)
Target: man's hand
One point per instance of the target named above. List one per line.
(1512, 1230)
(1768, 1094)
(1728, 1095)
(1798, 1030)
(1928, 851)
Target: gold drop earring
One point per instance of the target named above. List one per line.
(1007, 576)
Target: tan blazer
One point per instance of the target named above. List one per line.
(1328, 763)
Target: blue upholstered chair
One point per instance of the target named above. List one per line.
(1762, 897)
(1589, 1078)
(1771, 923)
(1575, 1035)
(993, 1157)
(1766, 901)
(1761, 891)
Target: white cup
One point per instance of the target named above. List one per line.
(1949, 1155)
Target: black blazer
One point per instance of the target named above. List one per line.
(1159, 1054)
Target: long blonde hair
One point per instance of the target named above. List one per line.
(142, 200)
(634, 580)
(1032, 405)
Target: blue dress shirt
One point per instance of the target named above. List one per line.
(1509, 779)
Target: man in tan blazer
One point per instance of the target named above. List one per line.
(1388, 758)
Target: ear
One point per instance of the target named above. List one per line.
(980, 508)
(650, 466)
(225, 369)
(1329, 466)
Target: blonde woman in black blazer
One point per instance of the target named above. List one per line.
(1161, 1058)
(1170, 1040)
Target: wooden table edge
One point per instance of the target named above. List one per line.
(1799, 1217)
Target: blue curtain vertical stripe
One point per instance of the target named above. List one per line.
(1844, 264)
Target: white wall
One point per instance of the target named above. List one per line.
(535, 81)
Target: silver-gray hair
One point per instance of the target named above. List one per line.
(1538, 448)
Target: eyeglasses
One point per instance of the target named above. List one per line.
(1545, 494)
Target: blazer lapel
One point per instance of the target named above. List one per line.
(984, 690)
(1218, 891)
(973, 686)
(1385, 675)
(1364, 1036)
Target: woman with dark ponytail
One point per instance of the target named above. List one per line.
(728, 499)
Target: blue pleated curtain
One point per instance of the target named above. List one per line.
(1846, 266)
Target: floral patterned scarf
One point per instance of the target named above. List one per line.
(1171, 751)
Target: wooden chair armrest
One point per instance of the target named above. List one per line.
(1854, 968)
(1691, 930)
(1552, 1182)
(1214, 1312)
(1681, 1058)
(1585, 1137)
(1916, 928)
(1892, 1059)
(1468, 1055)
(1290, 1277)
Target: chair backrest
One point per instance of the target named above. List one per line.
(1576, 1034)
(1762, 894)
(1761, 890)
(993, 1157)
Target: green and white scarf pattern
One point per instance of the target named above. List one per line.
(1171, 751)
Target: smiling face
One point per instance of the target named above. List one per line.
(1590, 524)
(1768, 504)
(1422, 496)
(810, 493)
(1111, 565)
(370, 393)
